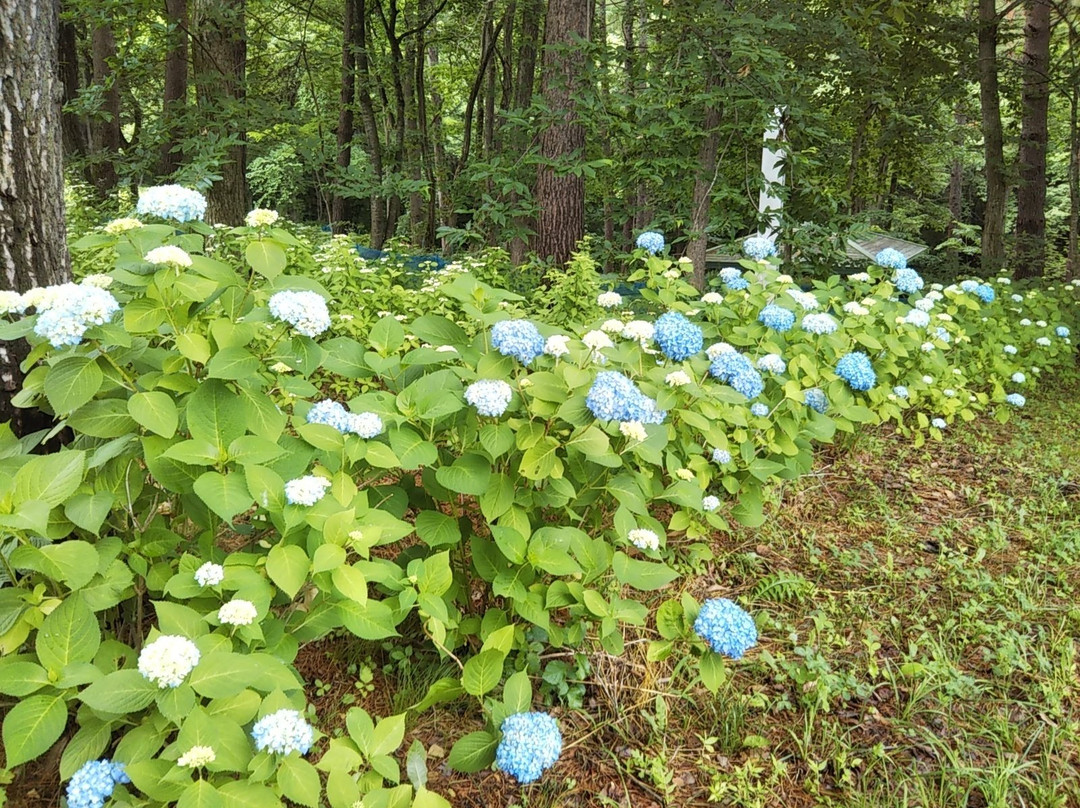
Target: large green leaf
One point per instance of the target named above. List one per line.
(72, 382)
(50, 478)
(200, 794)
(122, 692)
(69, 634)
(483, 672)
(216, 414)
(224, 494)
(644, 575)
(232, 363)
(469, 474)
(155, 411)
(473, 752)
(266, 258)
(299, 781)
(373, 620)
(31, 727)
(288, 565)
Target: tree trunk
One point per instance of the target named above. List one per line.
(371, 128)
(220, 66)
(560, 195)
(174, 99)
(523, 96)
(993, 233)
(76, 130)
(105, 126)
(339, 205)
(1031, 195)
(703, 186)
(1072, 269)
(32, 234)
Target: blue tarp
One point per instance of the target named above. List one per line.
(414, 263)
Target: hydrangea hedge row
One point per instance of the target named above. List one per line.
(251, 471)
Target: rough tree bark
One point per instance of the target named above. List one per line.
(993, 233)
(105, 126)
(174, 99)
(1030, 254)
(365, 82)
(220, 61)
(32, 235)
(703, 184)
(560, 195)
(339, 205)
(76, 130)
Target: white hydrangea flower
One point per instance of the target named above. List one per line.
(122, 225)
(306, 490)
(197, 757)
(612, 326)
(925, 304)
(261, 217)
(928, 379)
(672, 274)
(634, 430)
(710, 503)
(644, 539)
(640, 330)
(712, 298)
(98, 280)
(446, 349)
(1041, 323)
(784, 279)
(718, 348)
(862, 277)
(168, 254)
(677, 378)
(1043, 341)
(855, 308)
(557, 345)
(304, 310)
(1025, 321)
(210, 574)
(237, 612)
(168, 660)
(684, 474)
(11, 302)
(928, 347)
(597, 340)
(609, 300)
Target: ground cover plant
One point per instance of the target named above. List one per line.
(498, 494)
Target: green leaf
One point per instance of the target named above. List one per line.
(220, 674)
(200, 794)
(299, 781)
(386, 336)
(266, 258)
(416, 765)
(215, 414)
(373, 620)
(483, 672)
(31, 727)
(473, 752)
(85, 745)
(195, 347)
(287, 565)
(72, 382)
(469, 474)
(76, 561)
(89, 511)
(21, 678)
(224, 494)
(69, 634)
(541, 461)
(643, 575)
(438, 330)
(232, 364)
(517, 693)
(387, 736)
(437, 529)
(121, 692)
(155, 411)
(713, 672)
(245, 794)
(103, 418)
(50, 478)
(411, 449)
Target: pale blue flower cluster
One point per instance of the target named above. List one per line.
(710, 503)
(517, 338)
(907, 281)
(733, 279)
(651, 241)
(736, 370)
(70, 309)
(303, 310)
(815, 399)
(943, 334)
(614, 397)
(890, 258)
(531, 743)
(726, 627)
(677, 337)
(759, 410)
(900, 391)
(820, 323)
(171, 202)
(773, 363)
(94, 782)
(917, 318)
(759, 247)
(938, 423)
(856, 370)
(490, 397)
(333, 414)
(1019, 377)
(1062, 331)
(777, 318)
(985, 293)
(1016, 400)
(283, 732)
(969, 286)
(721, 457)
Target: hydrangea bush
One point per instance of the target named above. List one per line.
(250, 472)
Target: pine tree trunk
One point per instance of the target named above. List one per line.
(105, 127)
(32, 231)
(339, 205)
(1031, 195)
(371, 127)
(76, 130)
(703, 186)
(560, 195)
(220, 59)
(993, 233)
(174, 99)
(523, 96)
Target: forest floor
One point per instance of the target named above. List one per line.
(918, 616)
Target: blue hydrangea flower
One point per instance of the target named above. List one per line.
(777, 318)
(517, 338)
(907, 281)
(985, 293)
(890, 258)
(938, 423)
(900, 391)
(1062, 331)
(677, 337)
(490, 397)
(773, 363)
(283, 732)
(329, 413)
(1019, 377)
(942, 334)
(733, 279)
(726, 627)
(969, 286)
(819, 324)
(739, 372)
(760, 410)
(531, 743)
(856, 370)
(1016, 400)
(917, 318)
(614, 397)
(303, 310)
(721, 457)
(94, 782)
(66, 312)
(651, 241)
(171, 202)
(815, 399)
(759, 247)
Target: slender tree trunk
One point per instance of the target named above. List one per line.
(174, 99)
(703, 185)
(1073, 265)
(33, 251)
(105, 126)
(220, 68)
(523, 95)
(76, 130)
(371, 128)
(993, 233)
(339, 205)
(956, 187)
(560, 195)
(1031, 194)
(858, 140)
